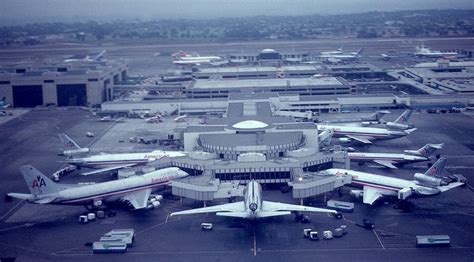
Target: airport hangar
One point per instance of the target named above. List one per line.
(78, 83)
(251, 143)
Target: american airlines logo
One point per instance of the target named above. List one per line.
(434, 170)
(38, 182)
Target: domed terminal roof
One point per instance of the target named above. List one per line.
(268, 50)
(250, 124)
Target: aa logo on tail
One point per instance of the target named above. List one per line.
(38, 182)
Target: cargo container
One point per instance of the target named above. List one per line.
(306, 232)
(83, 219)
(313, 235)
(338, 232)
(327, 235)
(206, 226)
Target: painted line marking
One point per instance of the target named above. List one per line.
(11, 209)
(373, 230)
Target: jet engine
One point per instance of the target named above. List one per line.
(429, 180)
(344, 140)
(356, 193)
(153, 204)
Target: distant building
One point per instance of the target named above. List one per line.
(77, 83)
(268, 57)
(449, 76)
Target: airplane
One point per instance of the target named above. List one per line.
(182, 58)
(401, 123)
(426, 52)
(70, 147)
(375, 117)
(390, 160)
(337, 56)
(253, 206)
(180, 118)
(110, 162)
(376, 186)
(363, 135)
(87, 58)
(135, 190)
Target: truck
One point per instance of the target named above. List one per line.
(206, 226)
(340, 205)
(129, 232)
(117, 238)
(433, 241)
(109, 247)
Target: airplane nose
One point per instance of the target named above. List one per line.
(253, 207)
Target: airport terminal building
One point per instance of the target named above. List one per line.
(76, 83)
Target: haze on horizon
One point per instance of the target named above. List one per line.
(31, 11)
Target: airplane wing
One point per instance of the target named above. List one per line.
(360, 139)
(232, 209)
(102, 170)
(371, 195)
(386, 163)
(275, 207)
(138, 199)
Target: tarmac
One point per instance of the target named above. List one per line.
(52, 233)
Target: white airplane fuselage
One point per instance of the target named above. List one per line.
(389, 185)
(112, 190)
(110, 160)
(397, 158)
(371, 132)
(253, 199)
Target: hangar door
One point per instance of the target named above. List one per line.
(72, 95)
(27, 95)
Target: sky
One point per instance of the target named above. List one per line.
(29, 11)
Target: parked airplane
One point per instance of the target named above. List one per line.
(182, 58)
(363, 135)
(253, 206)
(135, 190)
(110, 162)
(426, 52)
(87, 58)
(180, 118)
(70, 147)
(337, 56)
(401, 123)
(391, 160)
(375, 117)
(376, 186)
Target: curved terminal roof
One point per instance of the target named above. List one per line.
(250, 124)
(268, 50)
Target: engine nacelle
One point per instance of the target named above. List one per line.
(153, 204)
(392, 125)
(344, 140)
(429, 180)
(357, 193)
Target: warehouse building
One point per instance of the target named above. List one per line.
(77, 83)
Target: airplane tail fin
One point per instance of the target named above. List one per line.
(37, 182)
(360, 51)
(404, 117)
(428, 149)
(68, 143)
(437, 168)
(325, 137)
